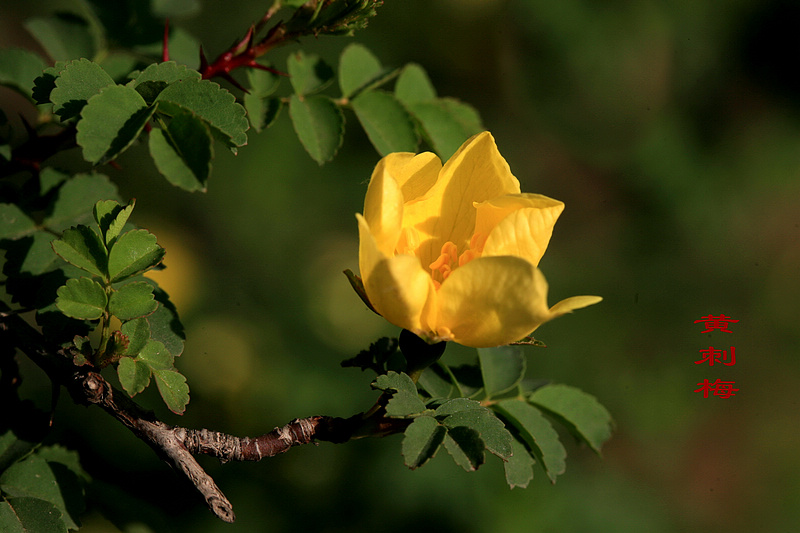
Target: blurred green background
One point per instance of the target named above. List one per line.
(671, 130)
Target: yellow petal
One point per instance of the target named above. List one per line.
(397, 287)
(519, 225)
(475, 173)
(492, 301)
(383, 209)
(415, 174)
(575, 302)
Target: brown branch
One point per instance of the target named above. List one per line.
(175, 444)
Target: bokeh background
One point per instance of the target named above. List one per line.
(671, 130)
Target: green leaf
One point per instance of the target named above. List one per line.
(155, 78)
(319, 125)
(133, 300)
(65, 457)
(14, 222)
(26, 515)
(133, 375)
(405, 401)
(357, 68)
(489, 427)
(44, 84)
(211, 103)
(308, 73)
(110, 122)
(18, 69)
(436, 382)
(111, 218)
(76, 198)
(63, 36)
(466, 447)
(395, 381)
(82, 247)
(50, 178)
(446, 123)
(580, 412)
(138, 333)
(82, 298)
(183, 152)
(134, 252)
(457, 405)
(537, 433)
(413, 85)
(173, 388)
(36, 478)
(262, 83)
(386, 123)
(78, 81)
(519, 467)
(502, 368)
(165, 326)
(262, 112)
(421, 441)
(156, 356)
(13, 447)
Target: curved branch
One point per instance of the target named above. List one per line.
(175, 444)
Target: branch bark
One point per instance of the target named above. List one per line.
(174, 444)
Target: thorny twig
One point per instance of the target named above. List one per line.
(175, 444)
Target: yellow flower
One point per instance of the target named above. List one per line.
(451, 252)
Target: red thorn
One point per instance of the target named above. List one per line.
(232, 81)
(203, 61)
(259, 66)
(165, 50)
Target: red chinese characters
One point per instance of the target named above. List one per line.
(712, 356)
(723, 389)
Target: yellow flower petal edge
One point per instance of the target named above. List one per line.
(450, 252)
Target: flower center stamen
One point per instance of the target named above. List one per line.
(449, 259)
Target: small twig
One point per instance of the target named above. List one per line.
(176, 444)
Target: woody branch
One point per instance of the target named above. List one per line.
(176, 444)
